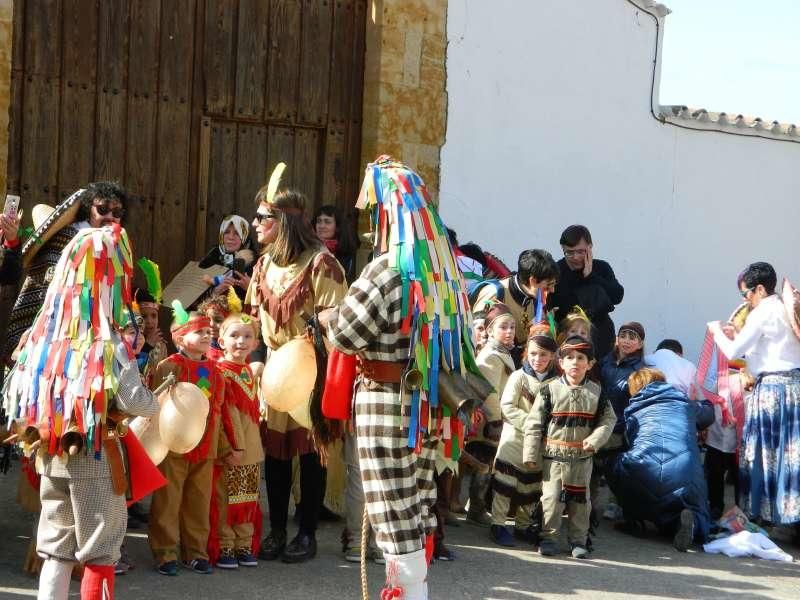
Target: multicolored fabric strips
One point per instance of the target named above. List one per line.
(68, 370)
(435, 303)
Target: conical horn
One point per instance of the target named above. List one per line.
(72, 441)
(455, 394)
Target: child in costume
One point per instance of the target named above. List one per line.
(217, 308)
(146, 303)
(479, 329)
(180, 510)
(407, 315)
(512, 481)
(567, 425)
(615, 368)
(235, 510)
(496, 364)
(74, 369)
(575, 323)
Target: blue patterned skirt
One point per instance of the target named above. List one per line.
(769, 457)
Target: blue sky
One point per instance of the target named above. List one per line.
(737, 56)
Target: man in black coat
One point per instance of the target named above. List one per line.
(589, 283)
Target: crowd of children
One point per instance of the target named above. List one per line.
(537, 448)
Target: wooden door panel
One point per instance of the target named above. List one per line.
(251, 59)
(189, 103)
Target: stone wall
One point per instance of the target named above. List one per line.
(405, 102)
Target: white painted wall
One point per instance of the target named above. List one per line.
(549, 124)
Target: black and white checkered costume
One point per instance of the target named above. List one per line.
(83, 520)
(398, 482)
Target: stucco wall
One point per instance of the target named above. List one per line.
(549, 125)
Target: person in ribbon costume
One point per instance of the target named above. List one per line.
(73, 372)
(406, 317)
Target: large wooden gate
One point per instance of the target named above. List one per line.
(188, 103)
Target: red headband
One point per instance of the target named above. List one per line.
(191, 325)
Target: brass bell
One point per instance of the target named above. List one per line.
(411, 380)
(72, 441)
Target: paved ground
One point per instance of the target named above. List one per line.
(621, 567)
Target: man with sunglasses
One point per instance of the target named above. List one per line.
(589, 283)
(99, 204)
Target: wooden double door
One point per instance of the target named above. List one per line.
(189, 104)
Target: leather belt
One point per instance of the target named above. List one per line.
(381, 371)
(111, 446)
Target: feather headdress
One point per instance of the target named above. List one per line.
(434, 303)
(68, 370)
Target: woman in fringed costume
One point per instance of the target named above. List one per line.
(407, 315)
(73, 370)
(294, 279)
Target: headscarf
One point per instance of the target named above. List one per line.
(242, 228)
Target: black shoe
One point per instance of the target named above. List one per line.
(302, 548)
(326, 514)
(529, 535)
(273, 546)
(683, 539)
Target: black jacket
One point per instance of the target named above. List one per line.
(597, 294)
(11, 266)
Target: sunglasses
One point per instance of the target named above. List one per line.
(261, 217)
(746, 291)
(103, 209)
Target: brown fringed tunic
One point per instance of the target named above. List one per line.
(284, 299)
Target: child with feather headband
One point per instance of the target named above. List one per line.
(406, 317)
(73, 370)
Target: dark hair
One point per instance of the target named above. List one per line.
(295, 235)
(104, 190)
(759, 273)
(452, 236)
(479, 314)
(345, 234)
(538, 264)
(573, 235)
(670, 344)
(473, 251)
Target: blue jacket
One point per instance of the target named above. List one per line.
(661, 474)
(614, 384)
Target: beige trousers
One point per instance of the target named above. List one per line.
(180, 510)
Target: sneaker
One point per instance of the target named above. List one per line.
(612, 512)
(500, 536)
(169, 567)
(443, 553)
(579, 551)
(272, 546)
(245, 558)
(227, 560)
(302, 548)
(481, 518)
(121, 567)
(529, 535)
(548, 548)
(353, 554)
(198, 565)
(683, 539)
